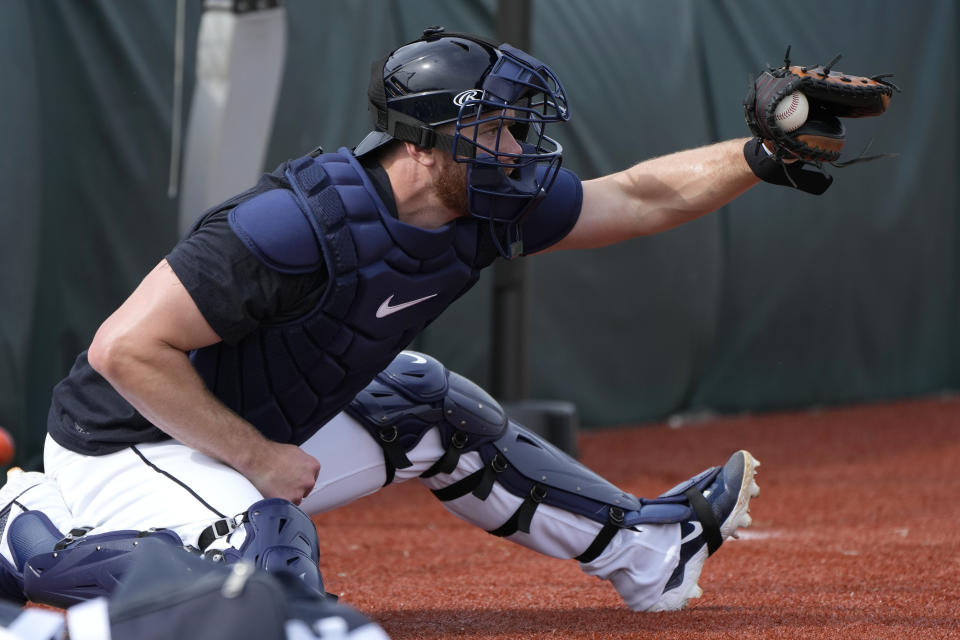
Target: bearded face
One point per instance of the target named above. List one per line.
(489, 134)
(451, 186)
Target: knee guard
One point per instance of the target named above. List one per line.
(416, 393)
(277, 536)
(64, 570)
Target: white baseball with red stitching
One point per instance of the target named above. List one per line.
(792, 112)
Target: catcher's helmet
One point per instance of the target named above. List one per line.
(467, 81)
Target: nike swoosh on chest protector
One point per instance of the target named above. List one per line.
(386, 309)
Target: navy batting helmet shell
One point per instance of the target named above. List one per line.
(467, 82)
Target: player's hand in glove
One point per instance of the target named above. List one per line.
(820, 139)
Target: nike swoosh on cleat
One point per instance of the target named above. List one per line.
(696, 529)
(386, 309)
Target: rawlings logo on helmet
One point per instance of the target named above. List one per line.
(465, 96)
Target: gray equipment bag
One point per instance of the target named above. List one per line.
(171, 593)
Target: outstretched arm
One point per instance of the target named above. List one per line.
(141, 349)
(659, 194)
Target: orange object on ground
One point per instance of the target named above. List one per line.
(7, 447)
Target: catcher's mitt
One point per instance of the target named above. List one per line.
(831, 95)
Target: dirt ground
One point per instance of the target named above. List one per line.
(855, 535)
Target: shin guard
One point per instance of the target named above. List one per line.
(276, 536)
(532, 468)
(417, 393)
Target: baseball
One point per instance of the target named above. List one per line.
(792, 112)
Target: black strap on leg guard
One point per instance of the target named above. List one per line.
(394, 456)
(461, 487)
(614, 523)
(451, 457)
(711, 528)
(218, 529)
(70, 538)
(479, 483)
(490, 471)
(523, 516)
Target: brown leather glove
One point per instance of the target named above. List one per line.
(831, 95)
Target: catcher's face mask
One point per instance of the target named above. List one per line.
(520, 95)
(485, 91)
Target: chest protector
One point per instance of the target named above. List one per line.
(386, 281)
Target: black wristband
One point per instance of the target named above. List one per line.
(798, 175)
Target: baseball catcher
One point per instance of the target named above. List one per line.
(259, 374)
